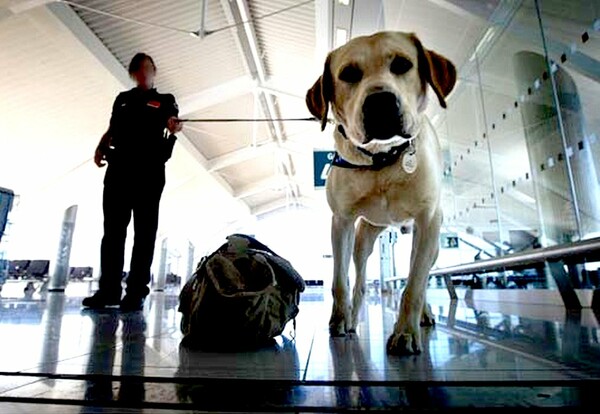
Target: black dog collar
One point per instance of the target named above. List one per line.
(380, 159)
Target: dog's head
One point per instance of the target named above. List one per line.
(377, 87)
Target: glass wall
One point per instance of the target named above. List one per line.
(521, 133)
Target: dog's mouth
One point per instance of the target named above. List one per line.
(392, 135)
(385, 129)
(376, 145)
(392, 131)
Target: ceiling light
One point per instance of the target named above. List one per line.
(341, 37)
(344, 2)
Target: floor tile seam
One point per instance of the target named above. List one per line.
(312, 342)
(179, 406)
(341, 383)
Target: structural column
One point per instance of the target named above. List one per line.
(59, 278)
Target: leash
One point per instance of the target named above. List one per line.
(225, 120)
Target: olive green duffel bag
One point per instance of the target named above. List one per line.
(241, 296)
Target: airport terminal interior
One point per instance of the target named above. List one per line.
(514, 292)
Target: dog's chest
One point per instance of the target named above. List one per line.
(388, 206)
(381, 199)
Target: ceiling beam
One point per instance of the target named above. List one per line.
(197, 155)
(20, 6)
(247, 153)
(94, 45)
(239, 156)
(280, 93)
(271, 206)
(270, 183)
(221, 93)
(238, 13)
(467, 8)
(283, 202)
(90, 41)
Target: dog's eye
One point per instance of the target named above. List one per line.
(351, 74)
(400, 65)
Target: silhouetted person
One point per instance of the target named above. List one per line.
(136, 149)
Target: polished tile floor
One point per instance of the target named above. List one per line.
(70, 360)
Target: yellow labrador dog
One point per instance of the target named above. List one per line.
(387, 170)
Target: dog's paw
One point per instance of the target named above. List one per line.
(427, 319)
(337, 324)
(337, 330)
(403, 344)
(353, 324)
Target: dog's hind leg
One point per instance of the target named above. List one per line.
(342, 241)
(366, 234)
(406, 338)
(427, 319)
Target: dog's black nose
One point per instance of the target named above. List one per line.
(382, 116)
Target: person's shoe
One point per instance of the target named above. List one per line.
(100, 301)
(132, 303)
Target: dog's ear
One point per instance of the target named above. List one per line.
(321, 93)
(436, 70)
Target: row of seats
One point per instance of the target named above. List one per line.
(28, 269)
(79, 273)
(39, 269)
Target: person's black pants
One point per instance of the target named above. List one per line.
(127, 191)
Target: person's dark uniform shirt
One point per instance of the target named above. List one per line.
(137, 128)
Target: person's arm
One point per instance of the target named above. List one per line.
(174, 125)
(104, 145)
(102, 149)
(105, 140)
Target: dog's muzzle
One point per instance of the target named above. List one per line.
(382, 116)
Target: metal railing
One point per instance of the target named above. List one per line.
(586, 249)
(555, 257)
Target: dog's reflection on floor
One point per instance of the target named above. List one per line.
(103, 347)
(352, 356)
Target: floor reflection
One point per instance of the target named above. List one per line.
(117, 355)
(103, 350)
(569, 342)
(278, 361)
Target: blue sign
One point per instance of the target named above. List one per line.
(6, 200)
(322, 164)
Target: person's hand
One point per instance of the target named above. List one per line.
(174, 125)
(100, 157)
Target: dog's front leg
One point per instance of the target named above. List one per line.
(342, 241)
(406, 338)
(366, 234)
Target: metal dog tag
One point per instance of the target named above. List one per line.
(409, 160)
